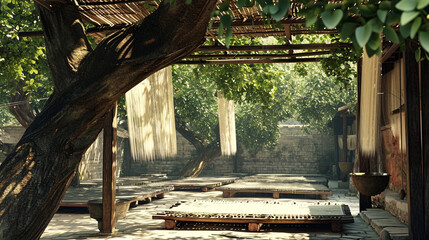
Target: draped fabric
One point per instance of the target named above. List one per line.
(151, 123)
(369, 124)
(395, 99)
(226, 125)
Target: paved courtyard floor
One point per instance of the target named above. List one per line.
(139, 224)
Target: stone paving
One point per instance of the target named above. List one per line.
(139, 224)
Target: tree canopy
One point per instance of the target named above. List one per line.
(23, 67)
(361, 21)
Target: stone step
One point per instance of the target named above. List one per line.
(385, 224)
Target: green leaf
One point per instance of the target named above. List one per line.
(310, 18)
(370, 52)
(393, 18)
(376, 25)
(390, 33)
(348, 29)
(415, 27)
(382, 14)
(407, 17)
(417, 54)
(241, 3)
(385, 5)
(188, 1)
(220, 29)
(406, 5)
(405, 30)
(226, 20)
(284, 9)
(363, 33)
(273, 9)
(374, 41)
(368, 10)
(224, 6)
(228, 36)
(331, 19)
(424, 40)
(422, 4)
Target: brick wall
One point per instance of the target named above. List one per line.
(296, 152)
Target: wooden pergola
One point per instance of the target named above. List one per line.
(107, 16)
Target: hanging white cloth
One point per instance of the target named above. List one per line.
(151, 123)
(226, 114)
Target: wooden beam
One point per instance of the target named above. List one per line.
(109, 172)
(288, 35)
(416, 204)
(89, 31)
(388, 53)
(215, 25)
(228, 56)
(109, 3)
(44, 4)
(275, 32)
(425, 139)
(248, 61)
(274, 47)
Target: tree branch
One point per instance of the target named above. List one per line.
(188, 134)
(66, 43)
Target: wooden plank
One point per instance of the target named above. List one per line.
(170, 224)
(425, 139)
(109, 172)
(247, 61)
(336, 227)
(258, 56)
(276, 187)
(274, 47)
(416, 203)
(256, 220)
(254, 227)
(256, 213)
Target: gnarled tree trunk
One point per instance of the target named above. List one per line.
(206, 151)
(196, 165)
(34, 178)
(21, 110)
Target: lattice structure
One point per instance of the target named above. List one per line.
(256, 213)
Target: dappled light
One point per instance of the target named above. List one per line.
(150, 112)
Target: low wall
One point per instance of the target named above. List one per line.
(296, 152)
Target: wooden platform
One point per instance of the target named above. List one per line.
(79, 196)
(275, 188)
(287, 178)
(201, 183)
(256, 213)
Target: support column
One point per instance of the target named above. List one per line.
(416, 204)
(425, 139)
(109, 172)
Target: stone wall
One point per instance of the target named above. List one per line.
(91, 166)
(296, 152)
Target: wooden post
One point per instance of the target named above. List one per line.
(109, 172)
(344, 152)
(425, 139)
(364, 201)
(416, 204)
